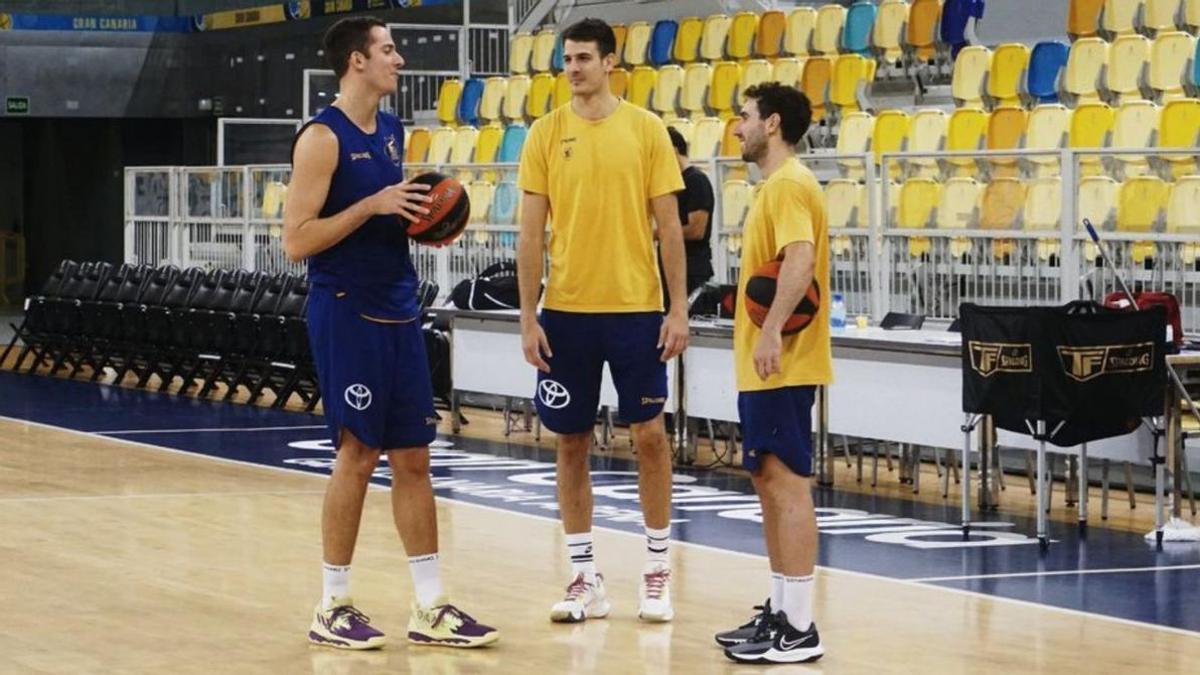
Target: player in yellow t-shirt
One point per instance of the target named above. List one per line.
(602, 166)
(777, 375)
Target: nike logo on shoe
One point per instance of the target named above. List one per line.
(785, 644)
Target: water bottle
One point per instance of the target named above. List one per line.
(837, 313)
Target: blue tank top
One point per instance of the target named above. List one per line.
(372, 265)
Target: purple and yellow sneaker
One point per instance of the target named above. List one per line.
(344, 627)
(445, 625)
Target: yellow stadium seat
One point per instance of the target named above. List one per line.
(847, 204)
(787, 70)
(722, 90)
(274, 195)
(541, 88)
(687, 39)
(1135, 126)
(514, 97)
(1006, 127)
(706, 137)
(1140, 206)
(487, 143)
(1083, 18)
(852, 73)
(1087, 59)
(887, 34)
(742, 32)
(543, 50)
(927, 134)
(1043, 213)
(1007, 74)
(620, 31)
(618, 82)
(965, 132)
(918, 199)
(685, 127)
(1170, 56)
(480, 193)
(815, 81)
(463, 151)
(696, 79)
(1000, 208)
(492, 102)
(958, 209)
(1179, 127)
(854, 138)
(1047, 130)
(520, 48)
(1098, 204)
(441, 142)
(1161, 15)
(1183, 217)
(1091, 124)
(1127, 59)
(890, 135)
(447, 101)
(418, 146)
(712, 40)
(562, 91)
(768, 41)
(1119, 16)
(730, 145)
(797, 39)
(970, 71)
(1191, 14)
(735, 201)
(921, 33)
(637, 42)
(641, 85)
(754, 72)
(827, 33)
(665, 100)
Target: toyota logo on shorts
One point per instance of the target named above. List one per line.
(553, 394)
(358, 396)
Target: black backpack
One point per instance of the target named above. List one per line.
(494, 288)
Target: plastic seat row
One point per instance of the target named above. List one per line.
(465, 145)
(1092, 18)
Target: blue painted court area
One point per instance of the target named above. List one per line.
(1109, 572)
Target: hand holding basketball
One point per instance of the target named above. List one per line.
(402, 199)
(768, 354)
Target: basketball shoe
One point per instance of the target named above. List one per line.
(584, 600)
(654, 594)
(448, 626)
(344, 627)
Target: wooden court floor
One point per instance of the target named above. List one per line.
(124, 558)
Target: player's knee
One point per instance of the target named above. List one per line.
(575, 445)
(409, 465)
(358, 460)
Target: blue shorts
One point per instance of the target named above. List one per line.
(567, 397)
(779, 422)
(374, 376)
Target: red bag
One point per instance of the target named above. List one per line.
(1150, 299)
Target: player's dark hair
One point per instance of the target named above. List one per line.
(792, 106)
(346, 37)
(677, 140)
(593, 30)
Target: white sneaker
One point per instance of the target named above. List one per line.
(585, 599)
(654, 594)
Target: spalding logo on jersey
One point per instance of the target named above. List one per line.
(393, 150)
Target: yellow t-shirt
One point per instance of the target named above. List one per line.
(789, 208)
(600, 176)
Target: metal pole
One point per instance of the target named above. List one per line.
(1043, 539)
(825, 457)
(968, 425)
(1083, 487)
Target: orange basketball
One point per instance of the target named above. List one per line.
(449, 211)
(760, 293)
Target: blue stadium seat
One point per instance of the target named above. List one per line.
(662, 42)
(955, 16)
(556, 57)
(511, 143)
(468, 103)
(860, 21)
(1047, 60)
(504, 204)
(1195, 74)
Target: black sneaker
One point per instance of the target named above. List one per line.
(778, 642)
(747, 630)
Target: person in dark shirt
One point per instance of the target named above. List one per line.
(695, 213)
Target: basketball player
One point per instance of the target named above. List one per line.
(346, 211)
(602, 165)
(777, 376)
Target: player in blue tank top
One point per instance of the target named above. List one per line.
(346, 211)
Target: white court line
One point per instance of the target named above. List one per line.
(157, 495)
(1058, 573)
(182, 431)
(688, 544)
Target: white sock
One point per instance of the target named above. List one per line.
(776, 591)
(658, 542)
(335, 583)
(579, 552)
(797, 601)
(426, 578)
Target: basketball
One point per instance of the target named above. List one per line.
(449, 211)
(760, 293)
